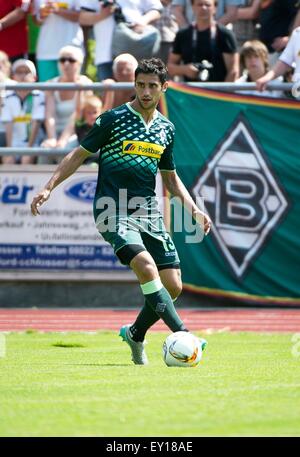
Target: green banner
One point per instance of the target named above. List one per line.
(242, 155)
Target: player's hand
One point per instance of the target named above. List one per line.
(203, 220)
(38, 200)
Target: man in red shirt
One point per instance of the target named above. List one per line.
(13, 28)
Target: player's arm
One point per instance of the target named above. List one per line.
(176, 188)
(66, 168)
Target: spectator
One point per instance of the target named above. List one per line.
(22, 112)
(5, 67)
(205, 51)
(276, 19)
(183, 12)
(138, 13)
(91, 109)
(227, 11)
(289, 57)
(123, 70)
(297, 18)
(13, 28)
(245, 27)
(59, 27)
(255, 64)
(61, 105)
(168, 28)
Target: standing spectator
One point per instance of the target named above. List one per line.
(124, 67)
(297, 18)
(138, 13)
(276, 18)
(227, 11)
(205, 51)
(183, 12)
(100, 16)
(22, 112)
(289, 57)
(245, 27)
(255, 64)
(61, 105)
(33, 33)
(13, 28)
(168, 28)
(59, 27)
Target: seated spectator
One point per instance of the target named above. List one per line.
(123, 70)
(13, 28)
(22, 112)
(137, 13)
(61, 105)
(90, 110)
(205, 51)
(183, 12)
(289, 58)
(168, 28)
(5, 67)
(59, 27)
(245, 27)
(254, 64)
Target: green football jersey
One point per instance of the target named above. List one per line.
(130, 153)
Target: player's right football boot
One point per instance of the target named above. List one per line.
(138, 353)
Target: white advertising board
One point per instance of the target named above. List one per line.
(64, 237)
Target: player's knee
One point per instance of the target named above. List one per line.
(144, 268)
(148, 270)
(175, 289)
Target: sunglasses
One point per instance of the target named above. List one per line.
(67, 59)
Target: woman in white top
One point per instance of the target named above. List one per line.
(61, 105)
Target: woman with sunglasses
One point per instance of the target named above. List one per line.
(61, 105)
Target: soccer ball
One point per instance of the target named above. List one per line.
(183, 349)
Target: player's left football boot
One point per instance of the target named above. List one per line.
(138, 353)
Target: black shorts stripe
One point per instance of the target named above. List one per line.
(128, 252)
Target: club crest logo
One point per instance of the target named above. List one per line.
(243, 196)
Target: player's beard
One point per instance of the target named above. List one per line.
(148, 106)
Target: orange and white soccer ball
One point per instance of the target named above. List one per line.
(183, 349)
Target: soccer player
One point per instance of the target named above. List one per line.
(134, 141)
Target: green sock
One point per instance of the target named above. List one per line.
(161, 303)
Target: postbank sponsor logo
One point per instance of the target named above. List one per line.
(143, 148)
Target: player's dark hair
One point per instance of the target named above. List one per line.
(152, 66)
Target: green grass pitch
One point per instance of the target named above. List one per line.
(80, 384)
